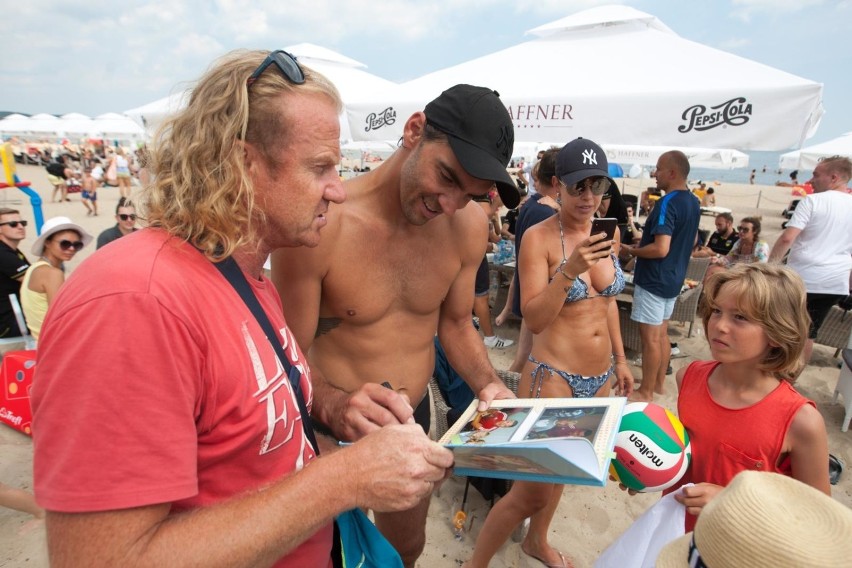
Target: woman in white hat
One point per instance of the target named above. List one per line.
(60, 240)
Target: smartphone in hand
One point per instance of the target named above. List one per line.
(604, 225)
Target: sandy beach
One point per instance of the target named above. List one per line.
(588, 520)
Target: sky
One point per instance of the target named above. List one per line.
(103, 56)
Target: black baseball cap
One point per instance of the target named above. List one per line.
(480, 132)
(581, 159)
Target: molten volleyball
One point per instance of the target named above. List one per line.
(652, 450)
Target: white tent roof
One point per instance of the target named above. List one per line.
(112, 125)
(14, 125)
(74, 124)
(43, 124)
(149, 116)
(615, 73)
(807, 158)
(347, 75)
(600, 16)
(722, 159)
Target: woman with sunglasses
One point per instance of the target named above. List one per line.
(59, 241)
(569, 279)
(748, 248)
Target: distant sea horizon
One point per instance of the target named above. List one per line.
(756, 161)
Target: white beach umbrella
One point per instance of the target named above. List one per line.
(114, 126)
(347, 74)
(716, 158)
(149, 116)
(75, 124)
(808, 157)
(44, 125)
(713, 100)
(14, 125)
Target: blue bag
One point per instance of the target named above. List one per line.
(359, 544)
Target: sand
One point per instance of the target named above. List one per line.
(588, 519)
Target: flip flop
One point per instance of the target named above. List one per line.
(835, 468)
(564, 563)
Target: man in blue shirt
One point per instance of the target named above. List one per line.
(661, 261)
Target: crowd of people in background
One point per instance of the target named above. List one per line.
(85, 168)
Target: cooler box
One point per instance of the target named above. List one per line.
(17, 371)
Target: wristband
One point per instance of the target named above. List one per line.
(570, 278)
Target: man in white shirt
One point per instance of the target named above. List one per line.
(819, 238)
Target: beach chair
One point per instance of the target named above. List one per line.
(686, 305)
(836, 329)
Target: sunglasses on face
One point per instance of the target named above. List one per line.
(126, 216)
(285, 62)
(744, 229)
(14, 224)
(597, 185)
(68, 245)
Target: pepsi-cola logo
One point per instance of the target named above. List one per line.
(383, 118)
(734, 112)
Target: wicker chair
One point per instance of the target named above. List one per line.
(836, 330)
(440, 408)
(629, 328)
(686, 306)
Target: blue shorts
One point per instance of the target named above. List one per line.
(651, 309)
(483, 282)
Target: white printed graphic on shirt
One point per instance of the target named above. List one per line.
(274, 391)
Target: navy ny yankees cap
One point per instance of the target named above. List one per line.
(480, 132)
(581, 159)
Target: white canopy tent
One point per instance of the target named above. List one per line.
(109, 126)
(149, 116)
(721, 159)
(598, 74)
(625, 154)
(14, 125)
(114, 126)
(807, 158)
(44, 125)
(74, 125)
(347, 75)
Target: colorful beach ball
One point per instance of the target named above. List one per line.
(652, 448)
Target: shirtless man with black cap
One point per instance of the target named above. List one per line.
(397, 264)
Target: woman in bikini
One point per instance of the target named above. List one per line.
(569, 280)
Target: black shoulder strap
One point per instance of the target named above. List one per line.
(231, 271)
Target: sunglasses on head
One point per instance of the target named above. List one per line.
(14, 224)
(126, 216)
(285, 62)
(597, 185)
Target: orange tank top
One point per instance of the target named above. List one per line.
(726, 441)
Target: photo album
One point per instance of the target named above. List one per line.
(553, 440)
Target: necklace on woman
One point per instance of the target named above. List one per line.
(47, 260)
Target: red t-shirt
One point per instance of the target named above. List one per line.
(726, 441)
(155, 384)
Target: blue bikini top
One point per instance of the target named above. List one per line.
(579, 289)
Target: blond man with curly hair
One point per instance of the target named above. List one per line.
(186, 446)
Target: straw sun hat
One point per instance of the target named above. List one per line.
(766, 519)
(57, 225)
